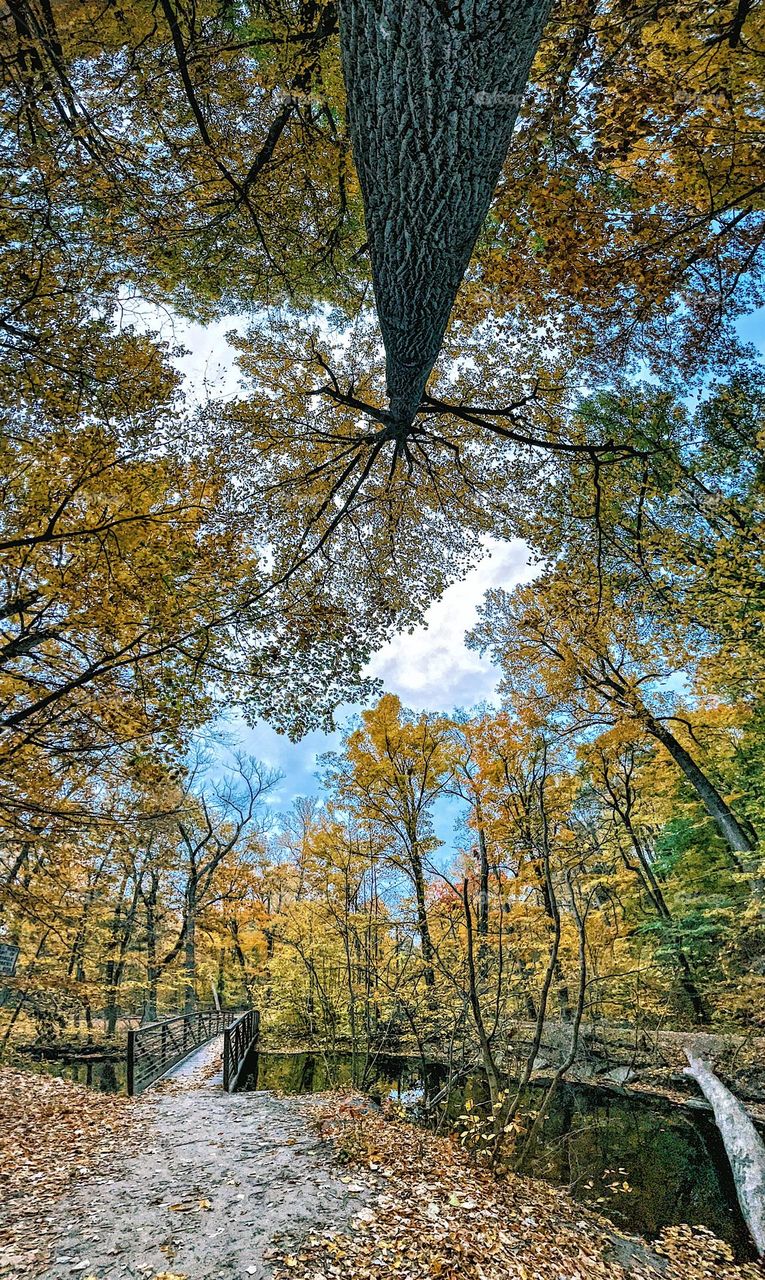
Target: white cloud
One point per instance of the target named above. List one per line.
(429, 670)
(432, 669)
(209, 365)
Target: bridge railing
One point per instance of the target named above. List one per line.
(156, 1047)
(238, 1039)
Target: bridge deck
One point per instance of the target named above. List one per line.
(202, 1069)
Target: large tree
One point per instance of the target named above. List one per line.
(433, 94)
(394, 768)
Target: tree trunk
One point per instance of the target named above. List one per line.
(433, 93)
(743, 1145)
(119, 933)
(553, 920)
(233, 927)
(190, 951)
(152, 969)
(219, 993)
(727, 823)
(645, 874)
(493, 1073)
(482, 914)
(422, 918)
(482, 923)
(12, 875)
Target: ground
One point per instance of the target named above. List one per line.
(435, 1214)
(189, 1183)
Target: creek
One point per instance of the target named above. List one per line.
(105, 1075)
(644, 1163)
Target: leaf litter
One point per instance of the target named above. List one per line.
(429, 1212)
(54, 1134)
(436, 1215)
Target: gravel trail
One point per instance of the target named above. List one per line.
(216, 1182)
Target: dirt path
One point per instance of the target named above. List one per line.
(218, 1182)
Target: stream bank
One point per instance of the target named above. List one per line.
(645, 1162)
(433, 1213)
(648, 1159)
(190, 1183)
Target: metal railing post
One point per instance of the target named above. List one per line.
(238, 1038)
(131, 1063)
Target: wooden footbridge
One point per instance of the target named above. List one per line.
(157, 1047)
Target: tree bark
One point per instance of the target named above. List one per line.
(645, 873)
(190, 949)
(726, 821)
(549, 902)
(482, 926)
(152, 968)
(233, 927)
(120, 935)
(14, 872)
(493, 1073)
(422, 918)
(433, 90)
(743, 1145)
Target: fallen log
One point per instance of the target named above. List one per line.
(743, 1145)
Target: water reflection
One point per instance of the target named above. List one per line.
(104, 1077)
(645, 1164)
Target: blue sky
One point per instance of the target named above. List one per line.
(430, 670)
(752, 329)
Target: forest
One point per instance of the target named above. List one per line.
(487, 272)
